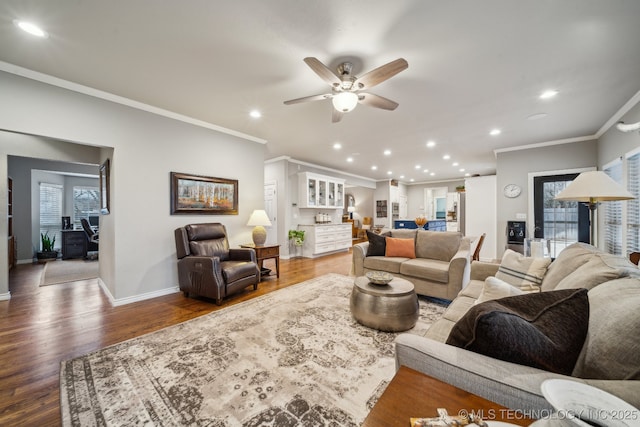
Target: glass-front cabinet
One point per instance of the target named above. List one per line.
(319, 191)
(322, 192)
(312, 192)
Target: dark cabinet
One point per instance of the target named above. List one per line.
(74, 244)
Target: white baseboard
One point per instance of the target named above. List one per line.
(135, 298)
(5, 297)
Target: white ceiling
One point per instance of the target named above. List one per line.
(473, 65)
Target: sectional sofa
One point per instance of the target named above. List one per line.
(607, 356)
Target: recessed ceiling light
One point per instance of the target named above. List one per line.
(426, 170)
(455, 164)
(389, 172)
(432, 173)
(431, 144)
(467, 174)
(349, 159)
(418, 166)
(548, 94)
(387, 152)
(461, 170)
(537, 116)
(401, 176)
(337, 146)
(446, 157)
(374, 167)
(495, 132)
(411, 180)
(31, 28)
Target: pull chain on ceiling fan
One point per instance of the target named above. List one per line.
(346, 89)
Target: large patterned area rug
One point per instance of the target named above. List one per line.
(291, 357)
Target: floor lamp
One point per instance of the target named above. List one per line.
(592, 188)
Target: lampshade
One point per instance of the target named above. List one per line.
(258, 220)
(351, 209)
(345, 101)
(259, 217)
(593, 187)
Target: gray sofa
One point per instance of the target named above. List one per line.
(609, 358)
(441, 266)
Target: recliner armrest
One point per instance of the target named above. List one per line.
(242, 254)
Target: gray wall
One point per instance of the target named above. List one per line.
(137, 248)
(514, 167)
(614, 144)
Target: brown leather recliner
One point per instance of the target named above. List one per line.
(206, 265)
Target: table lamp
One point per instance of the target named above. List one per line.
(592, 188)
(259, 220)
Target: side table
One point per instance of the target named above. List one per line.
(266, 252)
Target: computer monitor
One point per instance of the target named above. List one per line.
(94, 220)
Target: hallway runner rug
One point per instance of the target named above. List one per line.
(59, 271)
(291, 357)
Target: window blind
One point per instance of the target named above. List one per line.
(86, 202)
(633, 206)
(613, 215)
(51, 211)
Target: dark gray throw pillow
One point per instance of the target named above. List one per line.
(377, 243)
(544, 330)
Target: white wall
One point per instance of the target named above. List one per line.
(137, 248)
(480, 216)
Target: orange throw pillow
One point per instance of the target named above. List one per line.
(405, 248)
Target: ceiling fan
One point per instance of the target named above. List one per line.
(346, 89)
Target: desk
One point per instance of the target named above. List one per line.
(412, 394)
(74, 244)
(266, 252)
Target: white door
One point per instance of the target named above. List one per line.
(271, 207)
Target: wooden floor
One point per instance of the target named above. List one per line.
(42, 326)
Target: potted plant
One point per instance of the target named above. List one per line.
(48, 253)
(297, 238)
(460, 188)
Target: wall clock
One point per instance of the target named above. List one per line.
(512, 190)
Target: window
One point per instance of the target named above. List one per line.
(51, 211)
(613, 214)
(633, 206)
(86, 203)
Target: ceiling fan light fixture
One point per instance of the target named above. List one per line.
(345, 101)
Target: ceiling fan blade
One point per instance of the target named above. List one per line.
(377, 101)
(336, 116)
(381, 74)
(323, 71)
(309, 98)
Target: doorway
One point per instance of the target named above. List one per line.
(561, 222)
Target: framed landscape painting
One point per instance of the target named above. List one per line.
(196, 194)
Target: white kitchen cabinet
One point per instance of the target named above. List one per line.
(319, 191)
(322, 239)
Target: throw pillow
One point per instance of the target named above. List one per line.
(495, 288)
(377, 244)
(544, 330)
(405, 248)
(524, 272)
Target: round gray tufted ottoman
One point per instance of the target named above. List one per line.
(391, 308)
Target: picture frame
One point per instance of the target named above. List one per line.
(204, 195)
(104, 188)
